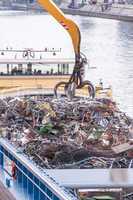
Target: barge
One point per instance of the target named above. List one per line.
(27, 179)
(32, 183)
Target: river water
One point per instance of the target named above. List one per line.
(108, 44)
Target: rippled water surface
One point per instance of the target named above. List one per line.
(108, 44)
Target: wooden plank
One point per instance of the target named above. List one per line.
(122, 148)
(5, 194)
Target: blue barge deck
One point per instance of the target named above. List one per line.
(31, 183)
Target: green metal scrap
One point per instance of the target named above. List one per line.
(46, 129)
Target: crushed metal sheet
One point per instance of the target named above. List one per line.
(122, 148)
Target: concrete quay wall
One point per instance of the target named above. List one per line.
(116, 11)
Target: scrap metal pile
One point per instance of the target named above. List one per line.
(62, 133)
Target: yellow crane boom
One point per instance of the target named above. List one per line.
(76, 79)
(68, 24)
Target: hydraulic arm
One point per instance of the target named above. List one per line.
(76, 79)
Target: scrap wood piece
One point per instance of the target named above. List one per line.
(122, 148)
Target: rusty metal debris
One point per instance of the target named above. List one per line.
(62, 133)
